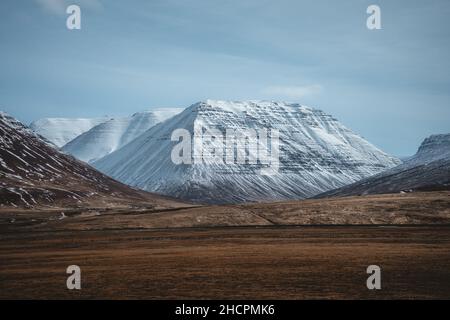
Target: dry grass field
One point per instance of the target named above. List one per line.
(225, 263)
(271, 251)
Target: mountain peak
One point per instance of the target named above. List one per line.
(15, 124)
(113, 134)
(6, 117)
(251, 108)
(434, 147)
(243, 105)
(316, 153)
(62, 130)
(428, 169)
(34, 174)
(436, 140)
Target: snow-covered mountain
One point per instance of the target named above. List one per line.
(428, 169)
(316, 152)
(111, 135)
(33, 173)
(433, 148)
(61, 130)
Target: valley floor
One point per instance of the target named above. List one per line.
(224, 263)
(270, 251)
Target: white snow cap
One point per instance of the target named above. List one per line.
(113, 134)
(317, 153)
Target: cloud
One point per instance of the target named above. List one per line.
(59, 6)
(293, 91)
(52, 6)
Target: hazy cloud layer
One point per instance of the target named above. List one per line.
(292, 92)
(59, 6)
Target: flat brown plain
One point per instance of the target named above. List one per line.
(225, 263)
(257, 255)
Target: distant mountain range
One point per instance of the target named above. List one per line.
(33, 173)
(318, 157)
(111, 135)
(91, 139)
(60, 131)
(317, 153)
(428, 169)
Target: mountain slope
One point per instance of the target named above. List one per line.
(435, 147)
(61, 130)
(114, 133)
(34, 174)
(428, 169)
(317, 153)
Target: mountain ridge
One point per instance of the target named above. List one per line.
(428, 169)
(35, 174)
(113, 134)
(62, 130)
(317, 153)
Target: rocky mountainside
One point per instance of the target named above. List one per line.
(111, 135)
(33, 173)
(433, 148)
(428, 169)
(316, 153)
(60, 131)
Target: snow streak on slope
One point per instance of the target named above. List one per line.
(317, 153)
(115, 133)
(34, 173)
(61, 130)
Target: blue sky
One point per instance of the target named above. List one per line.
(390, 85)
